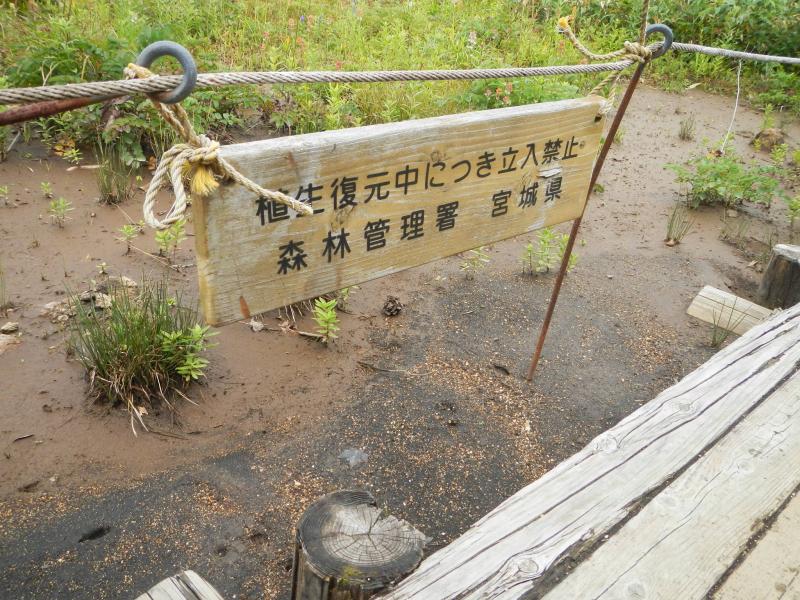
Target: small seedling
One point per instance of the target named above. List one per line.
(4, 193)
(476, 260)
(680, 223)
(170, 238)
(563, 240)
(343, 296)
(102, 268)
(58, 211)
(686, 131)
(326, 319)
(619, 136)
(129, 231)
(549, 250)
(47, 189)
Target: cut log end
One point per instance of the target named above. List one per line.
(348, 547)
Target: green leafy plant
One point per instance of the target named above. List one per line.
(686, 128)
(47, 189)
(778, 154)
(4, 193)
(679, 224)
(58, 210)
(475, 260)
(141, 350)
(170, 238)
(326, 319)
(73, 155)
(716, 178)
(114, 175)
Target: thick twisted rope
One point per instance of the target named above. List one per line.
(198, 158)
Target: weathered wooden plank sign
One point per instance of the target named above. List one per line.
(386, 198)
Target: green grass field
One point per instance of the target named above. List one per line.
(58, 42)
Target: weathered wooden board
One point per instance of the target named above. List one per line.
(700, 524)
(727, 310)
(771, 571)
(505, 554)
(388, 197)
(186, 585)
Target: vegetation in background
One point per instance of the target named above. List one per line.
(142, 350)
(326, 319)
(61, 42)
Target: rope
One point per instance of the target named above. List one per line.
(197, 158)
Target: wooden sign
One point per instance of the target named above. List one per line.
(386, 198)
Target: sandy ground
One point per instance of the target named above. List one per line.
(435, 396)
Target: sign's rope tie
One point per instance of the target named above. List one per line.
(633, 52)
(196, 159)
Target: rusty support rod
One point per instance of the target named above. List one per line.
(576, 224)
(26, 112)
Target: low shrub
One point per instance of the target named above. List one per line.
(716, 178)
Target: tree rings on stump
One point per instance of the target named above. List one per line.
(349, 548)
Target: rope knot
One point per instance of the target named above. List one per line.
(638, 52)
(196, 159)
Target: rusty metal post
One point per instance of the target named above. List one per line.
(598, 166)
(576, 224)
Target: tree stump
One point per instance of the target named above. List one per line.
(780, 284)
(349, 549)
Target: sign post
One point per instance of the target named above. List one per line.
(388, 197)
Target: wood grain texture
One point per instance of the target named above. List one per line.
(701, 523)
(348, 548)
(771, 571)
(186, 585)
(239, 258)
(507, 552)
(727, 310)
(780, 284)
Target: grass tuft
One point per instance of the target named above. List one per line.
(142, 350)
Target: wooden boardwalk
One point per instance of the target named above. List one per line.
(691, 496)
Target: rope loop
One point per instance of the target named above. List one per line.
(196, 159)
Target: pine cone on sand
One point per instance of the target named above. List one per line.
(392, 306)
